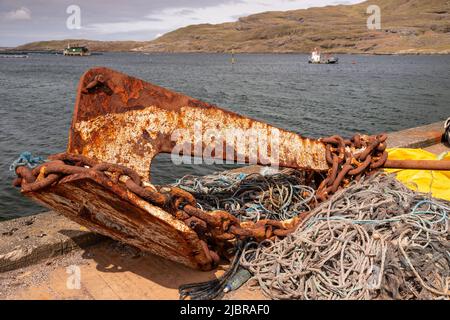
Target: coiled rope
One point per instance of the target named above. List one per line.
(254, 197)
(375, 239)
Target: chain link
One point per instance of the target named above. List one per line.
(214, 228)
(350, 160)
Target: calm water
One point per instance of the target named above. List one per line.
(363, 93)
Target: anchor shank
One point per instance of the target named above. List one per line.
(124, 120)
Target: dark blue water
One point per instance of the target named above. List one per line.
(367, 94)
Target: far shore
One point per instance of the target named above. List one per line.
(52, 51)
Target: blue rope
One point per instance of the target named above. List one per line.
(443, 215)
(26, 159)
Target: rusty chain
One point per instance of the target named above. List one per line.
(214, 228)
(350, 160)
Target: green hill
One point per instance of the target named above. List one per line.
(407, 26)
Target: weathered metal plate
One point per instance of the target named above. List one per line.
(127, 121)
(125, 217)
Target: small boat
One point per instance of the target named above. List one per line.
(317, 58)
(80, 51)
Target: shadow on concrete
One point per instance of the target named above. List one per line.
(111, 256)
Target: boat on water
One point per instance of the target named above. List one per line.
(318, 58)
(80, 51)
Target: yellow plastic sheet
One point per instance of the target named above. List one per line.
(436, 182)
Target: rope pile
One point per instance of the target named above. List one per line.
(375, 239)
(253, 197)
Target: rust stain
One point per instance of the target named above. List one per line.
(110, 127)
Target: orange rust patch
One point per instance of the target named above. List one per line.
(113, 133)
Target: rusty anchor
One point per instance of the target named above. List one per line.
(121, 123)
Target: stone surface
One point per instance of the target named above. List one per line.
(25, 241)
(419, 137)
(108, 270)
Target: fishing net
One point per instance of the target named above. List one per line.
(252, 197)
(375, 239)
(277, 195)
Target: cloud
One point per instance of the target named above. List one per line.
(127, 20)
(23, 13)
(168, 19)
(343, 2)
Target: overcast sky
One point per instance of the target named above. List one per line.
(23, 21)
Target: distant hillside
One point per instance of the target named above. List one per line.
(93, 45)
(408, 26)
